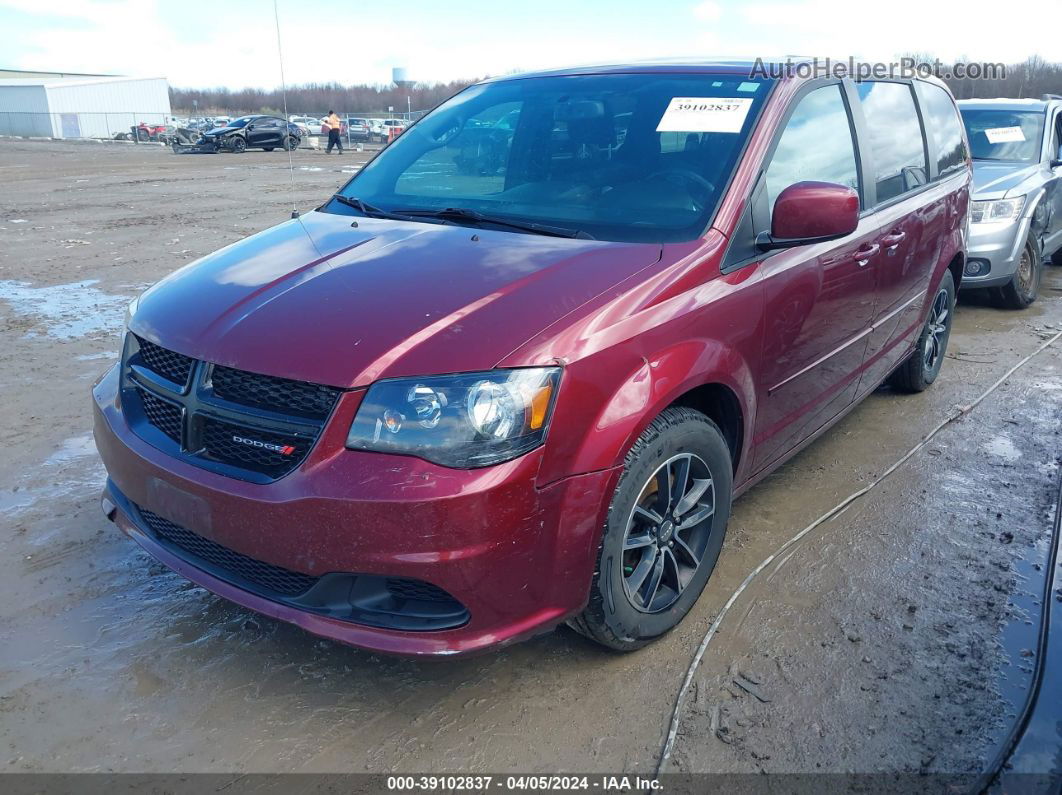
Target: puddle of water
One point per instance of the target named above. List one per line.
(68, 311)
(72, 470)
(1003, 447)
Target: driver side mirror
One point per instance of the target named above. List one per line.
(811, 212)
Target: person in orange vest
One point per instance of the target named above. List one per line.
(334, 126)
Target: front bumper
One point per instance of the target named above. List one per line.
(997, 246)
(518, 557)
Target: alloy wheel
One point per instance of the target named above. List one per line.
(667, 532)
(939, 320)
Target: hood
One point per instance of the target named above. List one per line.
(994, 179)
(316, 299)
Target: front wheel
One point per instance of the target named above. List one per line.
(1021, 290)
(291, 143)
(923, 366)
(238, 145)
(663, 534)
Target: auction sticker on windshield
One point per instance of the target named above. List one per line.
(705, 114)
(1005, 135)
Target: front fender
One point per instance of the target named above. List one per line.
(601, 416)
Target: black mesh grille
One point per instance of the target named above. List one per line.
(224, 428)
(264, 575)
(415, 589)
(162, 414)
(174, 366)
(275, 394)
(247, 448)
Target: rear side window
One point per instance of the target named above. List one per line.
(896, 147)
(816, 145)
(944, 125)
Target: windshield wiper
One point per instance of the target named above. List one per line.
(464, 214)
(367, 209)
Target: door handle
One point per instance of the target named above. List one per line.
(893, 239)
(864, 253)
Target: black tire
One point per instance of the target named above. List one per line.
(291, 143)
(237, 144)
(1022, 289)
(268, 148)
(613, 616)
(922, 367)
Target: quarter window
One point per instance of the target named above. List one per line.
(816, 145)
(896, 145)
(944, 124)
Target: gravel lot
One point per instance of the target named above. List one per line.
(894, 638)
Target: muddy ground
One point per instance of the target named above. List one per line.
(895, 637)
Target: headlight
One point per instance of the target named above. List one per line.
(999, 211)
(465, 421)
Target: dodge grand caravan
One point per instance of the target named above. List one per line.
(454, 407)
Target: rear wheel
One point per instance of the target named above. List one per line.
(663, 534)
(1023, 287)
(923, 365)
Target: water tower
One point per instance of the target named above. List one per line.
(400, 77)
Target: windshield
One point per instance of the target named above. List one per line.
(240, 122)
(627, 157)
(1004, 134)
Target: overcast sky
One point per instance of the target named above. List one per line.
(196, 43)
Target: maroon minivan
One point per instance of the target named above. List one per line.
(515, 371)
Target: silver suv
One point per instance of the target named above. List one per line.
(1016, 214)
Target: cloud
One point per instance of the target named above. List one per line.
(200, 43)
(708, 11)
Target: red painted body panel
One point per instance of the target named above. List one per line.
(314, 298)
(483, 535)
(796, 336)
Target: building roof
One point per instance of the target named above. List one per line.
(50, 82)
(10, 73)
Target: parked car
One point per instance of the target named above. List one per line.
(376, 128)
(392, 128)
(253, 132)
(358, 129)
(1016, 217)
(445, 412)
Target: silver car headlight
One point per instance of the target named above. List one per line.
(997, 211)
(464, 421)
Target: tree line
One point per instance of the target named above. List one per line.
(1031, 78)
(314, 98)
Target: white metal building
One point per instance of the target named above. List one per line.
(81, 107)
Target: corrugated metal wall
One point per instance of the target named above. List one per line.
(82, 109)
(24, 111)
